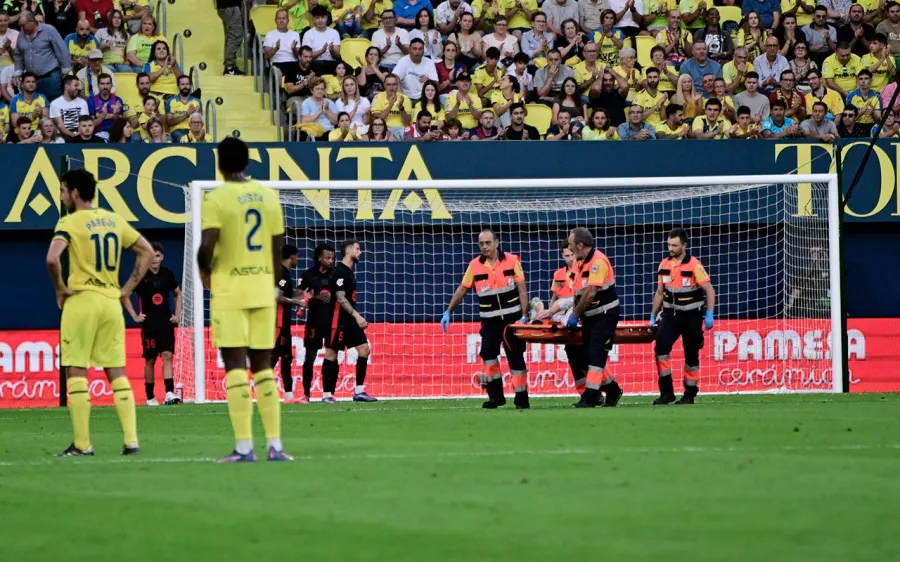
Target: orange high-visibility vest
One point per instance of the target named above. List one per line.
(596, 270)
(682, 283)
(495, 285)
(562, 285)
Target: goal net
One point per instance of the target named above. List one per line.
(768, 243)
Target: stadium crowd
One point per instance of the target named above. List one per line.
(587, 69)
(92, 71)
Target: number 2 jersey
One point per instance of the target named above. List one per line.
(96, 238)
(247, 216)
(342, 279)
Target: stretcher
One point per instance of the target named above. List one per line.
(556, 333)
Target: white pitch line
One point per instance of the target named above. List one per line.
(465, 454)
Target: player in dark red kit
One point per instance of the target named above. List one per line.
(318, 319)
(284, 346)
(157, 323)
(347, 326)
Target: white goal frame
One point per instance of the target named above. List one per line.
(837, 339)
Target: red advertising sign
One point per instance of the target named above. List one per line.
(419, 361)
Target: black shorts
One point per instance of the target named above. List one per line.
(345, 336)
(157, 339)
(315, 336)
(686, 325)
(283, 346)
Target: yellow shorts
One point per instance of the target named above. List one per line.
(92, 331)
(253, 328)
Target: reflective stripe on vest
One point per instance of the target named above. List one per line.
(495, 285)
(606, 294)
(680, 289)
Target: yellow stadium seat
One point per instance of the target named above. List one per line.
(729, 13)
(644, 43)
(539, 116)
(263, 17)
(351, 49)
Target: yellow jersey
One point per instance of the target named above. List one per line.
(178, 108)
(247, 216)
(167, 83)
(4, 116)
(703, 125)
(844, 75)
(22, 108)
(647, 101)
(141, 45)
(465, 116)
(380, 103)
(491, 11)
(346, 11)
(380, 6)
(832, 99)
(590, 134)
(190, 139)
(336, 135)
(482, 77)
(518, 19)
(439, 116)
(664, 129)
(95, 238)
(881, 76)
(497, 98)
(665, 83)
(802, 17)
(79, 51)
(609, 53)
(583, 73)
(730, 72)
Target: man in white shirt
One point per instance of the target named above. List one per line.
(282, 45)
(66, 109)
(769, 66)
(448, 13)
(413, 70)
(393, 41)
(324, 42)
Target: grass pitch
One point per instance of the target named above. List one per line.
(784, 478)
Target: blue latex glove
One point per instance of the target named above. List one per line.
(572, 321)
(652, 320)
(708, 321)
(445, 322)
(523, 320)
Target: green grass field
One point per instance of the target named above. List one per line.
(784, 478)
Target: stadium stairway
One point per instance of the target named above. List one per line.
(199, 25)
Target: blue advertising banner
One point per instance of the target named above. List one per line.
(144, 183)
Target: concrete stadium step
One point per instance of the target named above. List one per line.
(252, 133)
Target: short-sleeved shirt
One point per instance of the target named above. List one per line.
(844, 75)
(153, 297)
(871, 101)
(247, 215)
(380, 6)
(769, 125)
(647, 101)
(518, 276)
(883, 75)
(665, 83)
(608, 52)
(482, 77)
(688, 7)
(562, 285)
(410, 73)
(518, 19)
(730, 72)
(167, 83)
(76, 50)
(316, 40)
(32, 110)
(284, 41)
(93, 8)
(832, 99)
(175, 106)
(465, 116)
(380, 103)
(311, 107)
(343, 279)
(827, 127)
(314, 279)
(112, 106)
(95, 238)
(664, 129)
(543, 74)
(69, 111)
(765, 8)
(142, 45)
(702, 124)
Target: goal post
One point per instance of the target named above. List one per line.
(769, 242)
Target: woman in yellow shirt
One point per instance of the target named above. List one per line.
(688, 97)
(163, 70)
(751, 35)
(609, 40)
(139, 50)
(345, 131)
(599, 128)
(333, 83)
(431, 102)
(627, 57)
(508, 94)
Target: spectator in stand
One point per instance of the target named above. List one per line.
(333, 82)
(610, 39)
(132, 12)
(152, 108)
(504, 98)
(353, 104)
(156, 132)
(61, 14)
(105, 107)
(548, 81)
(652, 101)
(22, 133)
(769, 12)
(840, 70)
(674, 127)
(448, 68)
(801, 65)
(687, 96)
(777, 125)
(233, 25)
(589, 12)
(468, 39)
(346, 130)
(134, 106)
(421, 130)
(891, 128)
(487, 78)
(392, 106)
(570, 43)
(122, 132)
(569, 101)
(140, 45)
(464, 104)
(856, 32)
(627, 68)
(886, 95)
(789, 35)
(588, 71)
(675, 41)
(371, 77)
(635, 128)
(728, 109)
(506, 44)
(735, 72)
(700, 64)
(371, 17)
(179, 109)
(519, 72)
(630, 16)
(318, 109)
(8, 37)
(414, 69)
(163, 70)
(453, 131)
(88, 75)
(600, 128)
(794, 101)
(817, 126)
(347, 18)
(85, 132)
(563, 130)
(879, 62)
(517, 129)
(802, 9)
(848, 128)
(769, 66)
(558, 11)
(865, 100)
(80, 44)
(668, 76)
(821, 36)
(745, 128)
(29, 103)
(95, 12)
(380, 131)
(393, 41)
(49, 133)
(430, 102)
(719, 45)
(518, 14)
(757, 103)
(712, 124)
(486, 129)
(891, 29)
(537, 41)
(407, 11)
(751, 35)
(66, 109)
(282, 45)
(430, 36)
(612, 95)
(819, 93)
(448, 14)
(113, 38)
(692, 12)
(324, 42)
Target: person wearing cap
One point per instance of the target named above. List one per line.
(89, 74)
(80, 44)
(464, 104)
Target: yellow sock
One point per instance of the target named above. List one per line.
(124, 399)
(268, 401)
(240, 407)
(80, 411)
